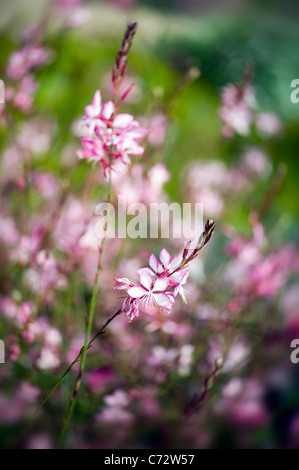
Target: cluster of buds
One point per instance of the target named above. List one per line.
(120, 66)
(112, 138)
(163, 280)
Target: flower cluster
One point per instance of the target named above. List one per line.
(110, 137)
(163, 280)
(239, 112)
(20, 69)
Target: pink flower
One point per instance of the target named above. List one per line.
(155, 284)
(130, 308)
(167, 264)
(22, 98)
(237, 109)
(268, 124)
(124, 283)
(110, 137)
(152, 292)
(24, 60)
(180, 278)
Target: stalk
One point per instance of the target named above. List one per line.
(89, 321)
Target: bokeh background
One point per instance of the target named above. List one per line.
(142, 375)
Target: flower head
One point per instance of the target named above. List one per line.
(110, 136)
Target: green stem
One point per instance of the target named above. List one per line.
(89, 319)
(101, 331)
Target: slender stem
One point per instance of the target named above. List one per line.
(89, 320)
(101, 331)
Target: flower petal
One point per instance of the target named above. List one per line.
(137, 292)
(108, 109)
(154, 263)
(122, 120)
(146, 278)
(165, 257)
(163, 300)
(175, 262)
(94, 108)
(161, 284)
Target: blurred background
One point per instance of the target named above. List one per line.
(243, 292)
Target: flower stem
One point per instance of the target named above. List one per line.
(101, 331)
(89, 320)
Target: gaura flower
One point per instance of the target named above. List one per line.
(152, 293)
(167, 264)
(110, 137)
(180, 278)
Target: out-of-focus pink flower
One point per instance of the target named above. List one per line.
(185, 359)
(8, 233)
(28, 246)
(269, 275)
(162, 356)
(39, 441)
(268, 124)
(48, 359)
(14, 349)
(23, 97)
(208, 183)
(45, 274)
(115, 415)
(157, 129)
(98, 379)
(35, 136)
(141, 187)
(46, 185)
(237, 109)
(24, 60)
(115, 408)
(28, 393)
(256, 163)
(71, 227)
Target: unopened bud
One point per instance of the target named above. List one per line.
(186, 249)
(219, 363)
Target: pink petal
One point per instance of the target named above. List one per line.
(124, 283)
(122, 120)
(185, 277)
(165, 257)
(154, 263)
(137, 292)
(108, 109)
(161, 284)
(146, 278)
(175, 262)
(163, 300)
(94, 108)
(138, 133)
